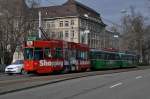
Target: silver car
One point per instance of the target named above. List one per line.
(15, 68)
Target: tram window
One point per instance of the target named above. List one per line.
(28, 53)
(99, 56)
(91, 55)
(104, 56)
(47, 53)
(85, 55)
(110, 56)
(78, 54)
(128, 57)
(73, 53)
(59, 53)
(113, 56)
(123, 57)
(66, 53)
(120, 56)
(38, 53)
(117, 57)
(82, 55)
(94, 55)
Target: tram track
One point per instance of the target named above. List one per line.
(10, 86)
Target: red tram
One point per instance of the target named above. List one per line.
(55, 55)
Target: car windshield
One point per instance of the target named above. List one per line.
(18, 62)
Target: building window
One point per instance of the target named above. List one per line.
(52, 24)
(53, 35)
(60, 34)
(48, 25)
(72, 34)
(66, 23)
(81, 23)
(72, 22)
(61, 23)
(66, 34)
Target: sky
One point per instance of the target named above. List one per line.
(110, 10)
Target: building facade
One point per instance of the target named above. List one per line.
(74, 22)
(111, 40)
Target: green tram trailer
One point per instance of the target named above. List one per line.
(110, 60)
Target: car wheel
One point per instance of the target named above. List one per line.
(65, 70)
(73, 68)
(10, 74)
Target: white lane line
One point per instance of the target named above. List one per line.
(139, 77)
(118, 84)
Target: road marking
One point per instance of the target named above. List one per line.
(139, 77)
(118, 84)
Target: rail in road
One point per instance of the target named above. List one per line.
(24, 82)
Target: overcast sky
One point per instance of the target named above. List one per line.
(110, 9)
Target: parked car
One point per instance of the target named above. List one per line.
(15, 68)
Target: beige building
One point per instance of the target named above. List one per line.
(74, 22)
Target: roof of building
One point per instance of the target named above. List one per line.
(70, 8)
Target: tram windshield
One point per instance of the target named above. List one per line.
(36, 53)
(28, 53)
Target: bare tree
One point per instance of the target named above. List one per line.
(133, 32)
(15, 23)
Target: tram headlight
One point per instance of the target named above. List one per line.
(29, 43)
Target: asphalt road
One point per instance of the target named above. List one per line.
(4, 77)
(126, 85)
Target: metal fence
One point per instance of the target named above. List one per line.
(2, 68)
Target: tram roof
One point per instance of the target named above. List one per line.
(112, 52)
